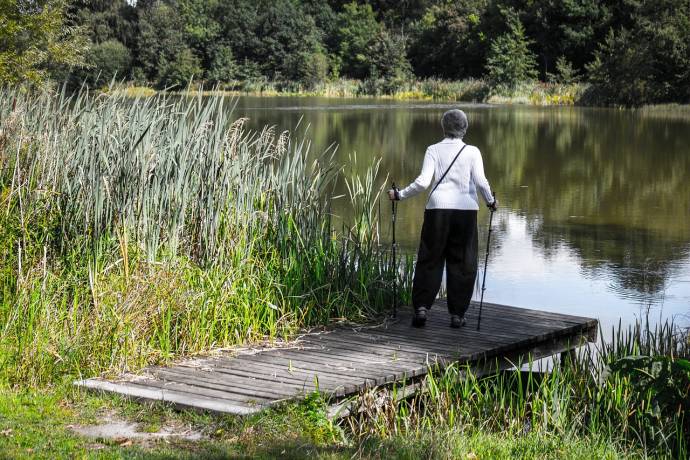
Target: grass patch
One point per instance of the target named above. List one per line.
(37, 425)
(613, 395)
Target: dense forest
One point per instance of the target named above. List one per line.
(628, 52)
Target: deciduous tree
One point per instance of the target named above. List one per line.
(35, 39)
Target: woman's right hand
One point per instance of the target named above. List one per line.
(393, 195)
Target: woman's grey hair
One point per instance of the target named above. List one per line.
(454, 124)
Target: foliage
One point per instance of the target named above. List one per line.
(620, 70)
(356, 30)
(223, 67)
(180, 70)
(111, 59)
(565, 73)
(34, 40)
(566, 30)
(571, 401)
(106, 20)
(637, 47)
(510, 61)
(163, 53)
(387, 58)
(151, 228)
(287, 43)
(660, 391)
(449, 40)
(641, 61)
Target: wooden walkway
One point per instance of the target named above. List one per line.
(343, 361)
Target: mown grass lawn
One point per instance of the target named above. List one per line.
(38, 425)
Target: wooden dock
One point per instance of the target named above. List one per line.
(343, 361)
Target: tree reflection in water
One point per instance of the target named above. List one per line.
(608, 185)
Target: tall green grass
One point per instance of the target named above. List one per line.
(136, 230)
(631, 392)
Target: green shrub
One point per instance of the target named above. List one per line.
(510, 61)
(223, 68)
(180, 71)
(660, 393)
(108, 61)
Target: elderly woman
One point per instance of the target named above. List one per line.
(449, 232)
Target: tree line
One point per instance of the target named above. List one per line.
(628, 52)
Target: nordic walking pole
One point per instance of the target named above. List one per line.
(486, 262)
(394, 211)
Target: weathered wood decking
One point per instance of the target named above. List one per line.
(346, 360)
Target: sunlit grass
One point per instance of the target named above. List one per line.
(589, 397)
(580, 409)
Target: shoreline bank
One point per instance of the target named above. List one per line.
(470, 91)
(536, 95)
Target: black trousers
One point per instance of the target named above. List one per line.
(448, 236)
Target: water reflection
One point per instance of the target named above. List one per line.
(595, 214)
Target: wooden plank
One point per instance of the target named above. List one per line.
(347, 360)
(267, 380)
(503, 322)
(403, 352)
(419, 344)
(244, 387)
(336, 386)
(373, 372)
(493, 307)
(544, 350)
(203, 392)
(308, 383)
(393, 338)
(574, 334)
(451, 338)
(317, 368)
(432, 355)
(441, 328)
(266, 372)
(269, 363)
(537, 313)
(409, 367)
(387, 359)
(318, 344)
(498, 320)
(278, 385)
(180, 400)
(491, 310)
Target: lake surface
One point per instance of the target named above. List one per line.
(594, 215)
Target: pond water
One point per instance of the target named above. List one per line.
(594, 215)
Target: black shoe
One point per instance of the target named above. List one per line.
(419, 318)
(457, 321)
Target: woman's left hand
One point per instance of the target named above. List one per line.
(393, 195)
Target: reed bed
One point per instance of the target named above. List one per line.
(629, 394)
(468, 90)
(136, 230)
